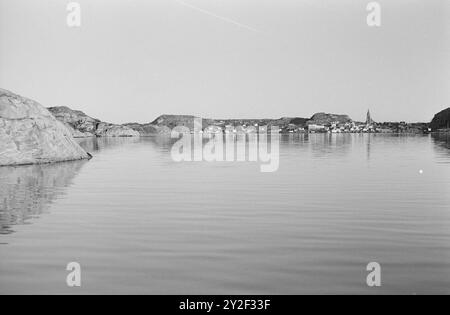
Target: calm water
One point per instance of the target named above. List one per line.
(138, 222)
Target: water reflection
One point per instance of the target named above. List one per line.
(324, 145)
(309, 228)
(442, 139)
(28, 191)
(441, 143)
(93, 145)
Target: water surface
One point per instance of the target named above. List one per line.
(138, 222)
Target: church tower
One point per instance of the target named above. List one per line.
(369, 120)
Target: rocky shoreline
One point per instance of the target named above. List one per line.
(32, 134)
(83, 126)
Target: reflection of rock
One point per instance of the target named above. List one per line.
(29, 134)
(104, 143)
(442, 139)
(82, 126)
(27, 191)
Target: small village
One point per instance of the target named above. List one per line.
(319, 123)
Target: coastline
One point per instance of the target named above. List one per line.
(84, 126)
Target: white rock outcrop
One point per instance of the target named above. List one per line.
(29, 134)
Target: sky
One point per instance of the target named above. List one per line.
(133, 60)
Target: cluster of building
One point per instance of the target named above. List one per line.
(370, 126)
(344, 127)
(315, 126)
(232, 129)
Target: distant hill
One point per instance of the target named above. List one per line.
(165, 123)
(441, 120)
(83, 126)
(172, 121)
(325, 119)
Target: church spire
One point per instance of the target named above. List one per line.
(369, 120)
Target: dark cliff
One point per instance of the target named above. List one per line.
(441, 120)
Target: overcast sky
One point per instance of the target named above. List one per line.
(133, 60)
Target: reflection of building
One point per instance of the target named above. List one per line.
(213, 129)
(317, 128)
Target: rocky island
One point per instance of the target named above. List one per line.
(30, 134)
(441, 121)
(83, 126)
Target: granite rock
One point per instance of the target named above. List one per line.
(84, 126)
(29, 134)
